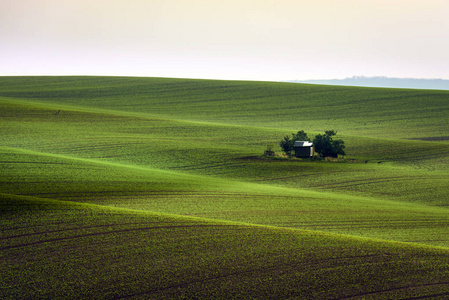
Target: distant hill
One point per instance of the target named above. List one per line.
(380, 81)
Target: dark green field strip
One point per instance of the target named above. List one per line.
(59, 233)
(426, 291)
(188, 257)
(360, 111)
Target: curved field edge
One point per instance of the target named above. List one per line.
(62, 177)
(57, 249)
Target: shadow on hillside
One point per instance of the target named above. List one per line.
(432, 139)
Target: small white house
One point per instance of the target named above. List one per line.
(304, 149)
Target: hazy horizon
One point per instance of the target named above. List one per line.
(383, 81)
(269, 40)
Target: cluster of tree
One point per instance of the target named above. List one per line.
(288, 142)
(324, 144)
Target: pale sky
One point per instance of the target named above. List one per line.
(226, 39)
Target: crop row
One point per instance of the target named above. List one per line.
(159, 256)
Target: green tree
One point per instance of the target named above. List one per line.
(269, 151)
(326, 146)
(288, 142)
(301, 136)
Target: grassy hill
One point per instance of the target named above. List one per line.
(163, 180)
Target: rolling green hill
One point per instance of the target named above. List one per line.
(155, 188)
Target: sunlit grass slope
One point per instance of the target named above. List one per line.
(59, 250)
(56, 176)
(192, 148)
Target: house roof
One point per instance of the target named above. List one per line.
(303, 144)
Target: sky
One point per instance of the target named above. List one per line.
(273, 40)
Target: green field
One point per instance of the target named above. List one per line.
(137, 188)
